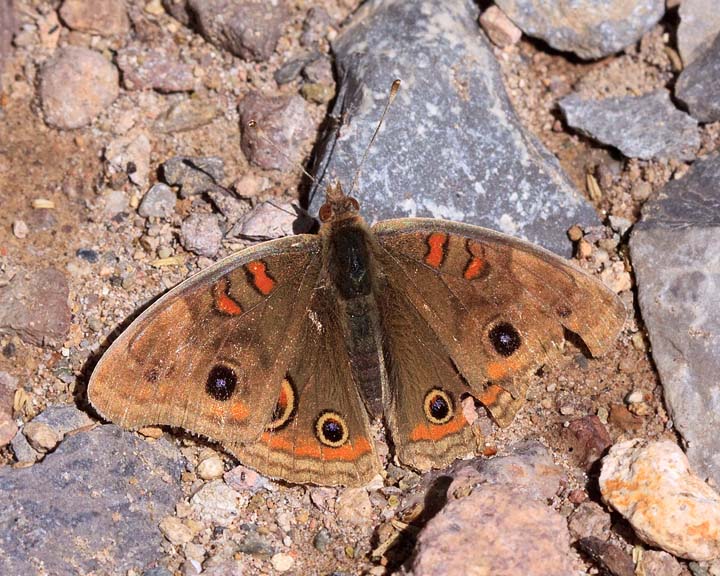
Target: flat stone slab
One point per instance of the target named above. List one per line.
(92, 506)
(699, 25)
(676, 257)
(589, 28)
(451, 146)
(647, 127)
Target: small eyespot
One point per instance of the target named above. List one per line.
(284, 408)
(505, 339)
(331, 430)
(325, 212)
(438, 406)
(221, 383)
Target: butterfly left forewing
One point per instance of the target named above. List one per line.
(498, 305)
(210, 355)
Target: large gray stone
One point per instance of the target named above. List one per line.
(699, 85)
(452, 146)
(92, 506)
(589, 28)
(676, 257)
(647, 126)
(699, 25)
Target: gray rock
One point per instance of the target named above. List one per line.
(106, 488)
(201, 234)
(154, 68)
(158, 202)
(8, 428)
(76, 85)
(194, 174)
(247, 28)
(517, 535)
(282, 126)
(699, 25)
(589, 28)
(452, 146)
(266, 221)
(24, 453)
(699, 85)
(676, 257)
(34, 306)
(647, 126)
(63, 418)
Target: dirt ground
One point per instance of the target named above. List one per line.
(66, 167)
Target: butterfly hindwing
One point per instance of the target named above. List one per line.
(321, 433)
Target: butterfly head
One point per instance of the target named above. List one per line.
(338, 206)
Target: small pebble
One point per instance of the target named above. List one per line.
(282, 562)
(20, 229)
(41, 436)
(634, 397)
(175, 531)
(211, 468)
(88, 255)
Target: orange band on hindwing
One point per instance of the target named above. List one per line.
(313, 449)
(437, 432)
(437, 244)
(260, 279)
(224, 303)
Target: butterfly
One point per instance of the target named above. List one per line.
(287, 352)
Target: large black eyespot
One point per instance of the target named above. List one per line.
(285, 406)
(505, 338)
(438, 406)
(331, 430)
(221, 382)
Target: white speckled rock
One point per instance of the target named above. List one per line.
(652, 486)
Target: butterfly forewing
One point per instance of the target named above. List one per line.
(210, 356)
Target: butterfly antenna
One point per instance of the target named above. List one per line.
(254, 125)
(391, 97)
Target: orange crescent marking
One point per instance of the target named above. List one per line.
(491, 395)
(438, 432)
(223, 302)
(436, 252)
(474, 268)
(262, 281)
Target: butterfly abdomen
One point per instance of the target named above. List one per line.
(351, 269)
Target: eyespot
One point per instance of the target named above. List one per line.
(285, 406)
(325, 212)
(505, 338)
(221, 382)
(438, 406)
(331, 429)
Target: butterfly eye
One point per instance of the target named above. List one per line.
(331, 430)
(354, 204)
(325, 212)
(505, 339)
(438, 406)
